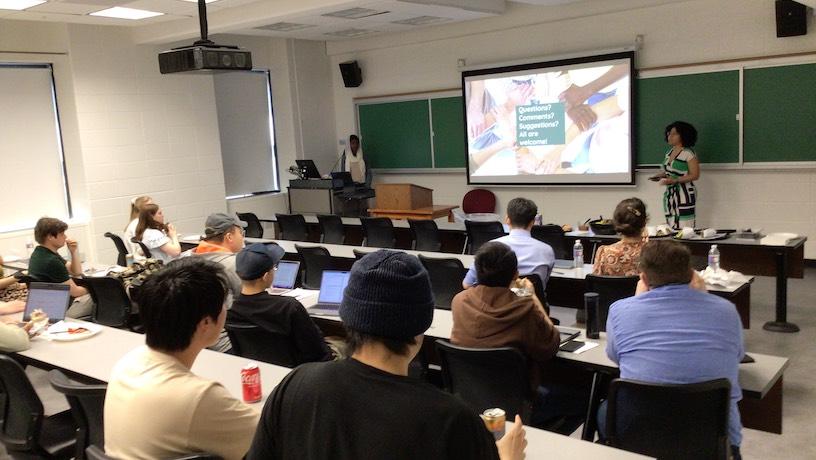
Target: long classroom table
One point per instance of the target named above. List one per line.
(95, 357)
(751, 257)
(761, 381)
(565, 288)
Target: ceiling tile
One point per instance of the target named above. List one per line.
(65, 8)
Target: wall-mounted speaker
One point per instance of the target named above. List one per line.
(352, 74)
(791, 18)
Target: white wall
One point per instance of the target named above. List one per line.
(674, 32)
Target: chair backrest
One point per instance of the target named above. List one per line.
(446, 278)
(87, 407)
(378, 232)
(540, 290)
(24, 278)
(610, 289)
(315, 260)
(359, 254)
(145, 249)
(254, 229)
(479, 200)
(121, 249)
(425, 234)
(96, 453)
(112, 306)
(253, 342)
(669, 421)
(554, 236)
(487, 377)
(292, 227)
(331, 229)
(479, 233)
(22, 413)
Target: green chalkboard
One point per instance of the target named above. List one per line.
(780, 109)
(709, 101)
(396, 134)
(448, 132)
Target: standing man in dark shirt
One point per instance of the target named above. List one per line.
(367, 406)
(256, 265)
(48, 266)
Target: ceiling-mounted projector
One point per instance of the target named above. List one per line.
(204, 55)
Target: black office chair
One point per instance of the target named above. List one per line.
(121, 249)
(479, 233)
(610, 289)
(446, 278)
(315, 260)
(425, 234)
(252, 342)
(378, 232)
(331, 229)
(669, 421)
(360, 254)
(112, 306)
(87, 407)
(487, 377)
(96, 453)
(553, 235)
(25, 278)
(254, 229)
(24, 428)
(145, 249)
(540, 292)
(292, 227)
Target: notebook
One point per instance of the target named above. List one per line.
(285, 277)
(332, 285)
(51, 298)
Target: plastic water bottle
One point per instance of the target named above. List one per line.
(714, 258)
(578, 254)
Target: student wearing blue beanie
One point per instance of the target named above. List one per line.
(367, 406)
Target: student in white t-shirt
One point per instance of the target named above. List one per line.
(160, 238)
(136, 206)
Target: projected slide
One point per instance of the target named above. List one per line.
(561, 122)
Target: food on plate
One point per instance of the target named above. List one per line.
(566, 227)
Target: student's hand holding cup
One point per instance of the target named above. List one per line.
(72, 245)
(512, 445)
(171, 230)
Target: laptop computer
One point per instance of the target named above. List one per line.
(332, 285)
(309, 168)
(567, 333)
(285, 277)
(52, 298)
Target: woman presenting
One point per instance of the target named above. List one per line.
(352, 161)
(680, 169)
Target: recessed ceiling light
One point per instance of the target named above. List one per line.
(355, 13)
(285, 26)
(119, 12)
(351, 33)
(19, 5)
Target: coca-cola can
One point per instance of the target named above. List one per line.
(251, 383)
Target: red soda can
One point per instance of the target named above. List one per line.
(251, 383)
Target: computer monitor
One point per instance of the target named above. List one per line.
(309, 169)
(341, 180)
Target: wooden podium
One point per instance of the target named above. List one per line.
(407, 201)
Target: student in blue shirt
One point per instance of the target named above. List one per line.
(534, 256)
(673, 331)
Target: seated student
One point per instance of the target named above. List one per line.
(534, 256)
(367, 406)
(256, 265)
(673, 331)
(223, 238)
(12, 293)
(48, 266)
(13, 338)
(621, 258)
(491, 315)
(160, 238)
(136, 206)
(155, 407)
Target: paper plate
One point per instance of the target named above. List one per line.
(66, 331)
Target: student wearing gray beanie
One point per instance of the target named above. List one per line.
(386, 308)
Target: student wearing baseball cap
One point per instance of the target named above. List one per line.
(367, 406)
(256, 265)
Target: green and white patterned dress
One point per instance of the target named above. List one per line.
(679, 199)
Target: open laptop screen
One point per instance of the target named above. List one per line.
(286, 275)
(53, 299)
(332, 286)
